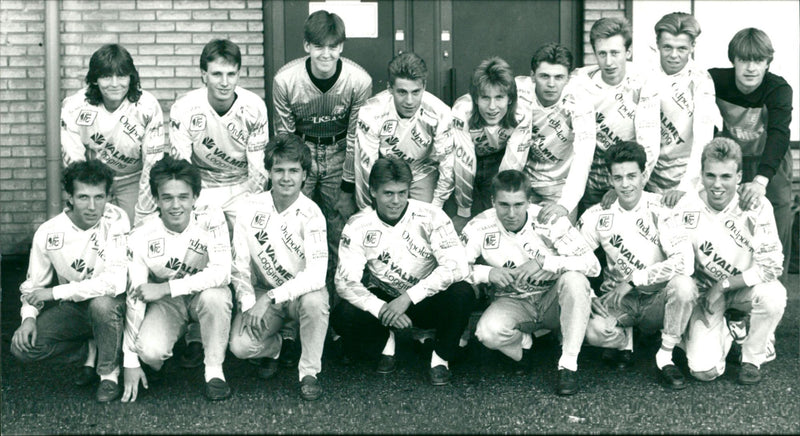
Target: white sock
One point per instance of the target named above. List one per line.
(388, 349)
(628, 338)
(113, 376)
(436, 361)
(527, 341)
(91, 356)
(463, 342)
(214, 372)
(663, 358)
(568, 361)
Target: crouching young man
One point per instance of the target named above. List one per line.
(650, 261)
(414, 263)
(85, 247)
(179, 268)
(739, 263)
(280, 246)
(538, 275)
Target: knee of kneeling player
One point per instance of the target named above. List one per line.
(595, 332)
(23, 356)
(491, 334)
(683, 288)
(241, 346)
(574, 284)
(315, 303)
(216, 299)
(770, 298)
(707, 375)
(106, 308)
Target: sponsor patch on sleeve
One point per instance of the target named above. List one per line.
(86, 118)
(690, 219)
(389, 128)
(54, 241)
(155, 248)
(372, 238)
(491, 240)
(259, 221)
(605, 221)
(197, 123)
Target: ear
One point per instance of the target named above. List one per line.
(307, 46)
(739, 177)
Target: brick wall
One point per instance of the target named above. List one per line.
(165, 38)
(593, 11)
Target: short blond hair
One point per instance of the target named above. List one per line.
(721, 150)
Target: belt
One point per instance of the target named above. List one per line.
(324, 140)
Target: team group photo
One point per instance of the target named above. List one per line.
(602, 240)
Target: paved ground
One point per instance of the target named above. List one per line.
(485, 396)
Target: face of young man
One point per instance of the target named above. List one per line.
(550, 80)
(627, 180)
(88, 203)
(323, 58)
(175, 201)
(720, 179)
(391, 199)
(221, 78)
(749, 74)
(511, 208)
(492, 104)
(612, 57)
(113, 89)
(287, 179)
(674, 51)
(407, 96)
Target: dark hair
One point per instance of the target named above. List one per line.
(493, 72)
(722, 149)
(323, 27)
(389, 169)
(409, 66)
(605, 28)
(678, 23)
(220, 48)
(169, 168)
(510, 181)
(92, 172)
(751, 44)
(111, 60)
(552, 53)
(626, 151)
(287, 146)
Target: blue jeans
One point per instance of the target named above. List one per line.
(64, 329)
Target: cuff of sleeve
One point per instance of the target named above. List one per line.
(751, 277)
(348, 187)
(176, 288)
(437, 202)
(639, 277)
(480, 273)
(464, 212)
(130, 360)
(247, 302)
(416, 294)
(61, 292)
(281, 295)
(551, 264)
(28, 311)
(374, 306)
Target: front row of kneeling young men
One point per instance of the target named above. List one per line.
(401, 265)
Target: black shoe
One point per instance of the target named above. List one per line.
(290, 353)
(217, 389)
(386, 365)
(267, 368)
(108, 391)
(439, 375)
(620, 359)
(86, 376)
(192, 356)
(523, 365)
(735, 354)
(310, 389)
(672, 377)
(749, 374)
(567, 382)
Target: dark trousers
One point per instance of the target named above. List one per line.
(447, 311)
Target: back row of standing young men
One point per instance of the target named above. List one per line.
(546, 130)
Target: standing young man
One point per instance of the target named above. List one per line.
(739, 261)
(179, 267)
(649, 264)
(85, 247)
(537, 273)
(115, 121)
(688, 109)
(222, 130)
(624, 100)
(408, 123)
(318, 98)
(756, 108)
(404, 266)
(558, 155)
(281, 255)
